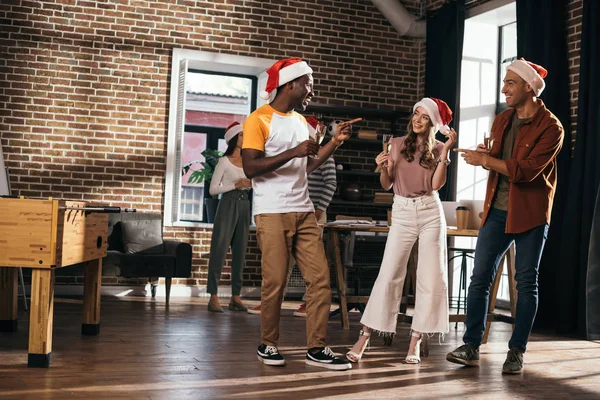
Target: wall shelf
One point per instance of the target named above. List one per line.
(355, 140)
(363, 112)
(360, 173)
(359, 203)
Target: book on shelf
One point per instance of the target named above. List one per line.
(382, 197)
(367, 134)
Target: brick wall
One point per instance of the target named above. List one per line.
(574, 47)
(84, 85)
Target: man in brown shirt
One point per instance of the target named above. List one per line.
(518, 203)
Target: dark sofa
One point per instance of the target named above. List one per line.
(136, 249)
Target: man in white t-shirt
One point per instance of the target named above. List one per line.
(278, 154)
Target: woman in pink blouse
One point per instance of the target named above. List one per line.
(416, 169)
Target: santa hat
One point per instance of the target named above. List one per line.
(282, 72)
(313, 126)
(231, 131)
(531, 73)
(438, 111)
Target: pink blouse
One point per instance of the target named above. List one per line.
(410, 178)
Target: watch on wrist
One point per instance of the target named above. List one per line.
(444, 161)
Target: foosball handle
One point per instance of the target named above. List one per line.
(118, 210)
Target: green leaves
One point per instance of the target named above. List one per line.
(211, 157)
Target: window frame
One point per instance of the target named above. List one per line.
(213, 134)
(184, 60)
(500, 105)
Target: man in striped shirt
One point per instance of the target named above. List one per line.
(321, 187)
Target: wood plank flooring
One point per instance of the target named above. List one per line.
(147, 350)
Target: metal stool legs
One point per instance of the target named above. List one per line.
(23, 287)
(462, 281)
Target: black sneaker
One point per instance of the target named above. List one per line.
(466, 355)
(269, 355)
(514, 362)
(326, 358)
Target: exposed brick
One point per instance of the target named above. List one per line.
(84, 89)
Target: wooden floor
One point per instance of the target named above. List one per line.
(148, 351)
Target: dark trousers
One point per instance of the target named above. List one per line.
(492, 243)
(231, 228)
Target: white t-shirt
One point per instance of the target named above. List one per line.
(225, 177)
(285, 189)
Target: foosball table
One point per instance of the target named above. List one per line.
(44, 235)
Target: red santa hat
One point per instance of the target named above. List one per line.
(531, 73)
(313, 126)
(231, 131)
(282, 72)
(438, 111)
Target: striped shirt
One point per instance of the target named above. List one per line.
(322, 183)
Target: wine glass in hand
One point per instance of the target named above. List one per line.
(319, 135)
(488, 142)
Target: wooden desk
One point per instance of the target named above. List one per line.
(44, 235)
(333, 233)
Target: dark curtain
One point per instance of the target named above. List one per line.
(593, 278)
(583, 187)
(542, 39)
(445, 30)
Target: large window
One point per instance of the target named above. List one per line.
(209, 91)
(490, 44)
(212, 102)
(508, 53)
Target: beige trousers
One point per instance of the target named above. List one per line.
(279, 237)
(412, 218)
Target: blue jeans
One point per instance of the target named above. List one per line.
(492, 243)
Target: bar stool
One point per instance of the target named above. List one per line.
(22, 284)
(462, 281)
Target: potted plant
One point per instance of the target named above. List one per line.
(211, 157)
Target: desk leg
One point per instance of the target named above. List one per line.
(8, 299)
(91, 298)
(334, 251)
(41, 318)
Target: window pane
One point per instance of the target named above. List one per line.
(216, 100)
(509, 41)
(488, 83)
(469, 84)
(191, 190)
(508, 52)
(222, 145)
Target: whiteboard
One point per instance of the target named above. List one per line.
(3, 175)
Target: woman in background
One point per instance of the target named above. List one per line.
(416, 169)
(232, 220)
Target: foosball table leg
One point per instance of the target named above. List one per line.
(91, 298)
(41, 318)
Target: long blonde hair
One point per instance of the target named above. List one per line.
(427, 159)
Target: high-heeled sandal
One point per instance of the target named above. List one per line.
(355, 357)
(421, 349)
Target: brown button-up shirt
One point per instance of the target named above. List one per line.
(531, 170)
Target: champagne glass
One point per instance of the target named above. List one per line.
(319, 136)
(386, 140)
(387, 145)
(488, 141)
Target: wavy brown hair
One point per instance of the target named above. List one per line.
(427, 159)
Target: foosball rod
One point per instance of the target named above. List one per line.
(101, 209)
